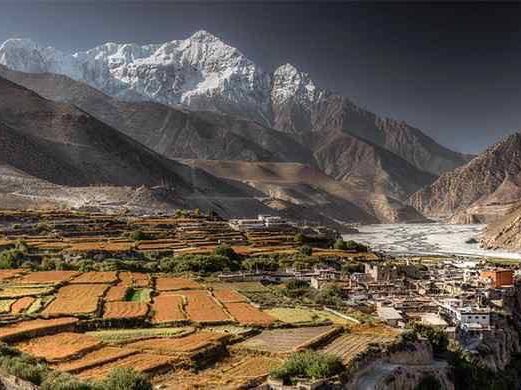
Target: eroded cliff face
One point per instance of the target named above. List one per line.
(403, 369)
(495, 350)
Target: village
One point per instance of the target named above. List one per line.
(193, 299)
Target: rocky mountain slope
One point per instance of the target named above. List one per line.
(505, 232)
(56, 143)
(479, 190)
(373, 178)
(202, 99)
(175, 133)
(306, 186)
(54, 154)
(204, 73)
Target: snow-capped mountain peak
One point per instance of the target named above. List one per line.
(22, 54)
(290, 83)
(199, 72)
(203, 36)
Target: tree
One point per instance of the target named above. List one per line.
(260, 264)
(196, 263)
(226, 251)
(353, 267)
(437, 337)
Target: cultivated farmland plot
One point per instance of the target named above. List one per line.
(168, 307)
(50, 277)
(227, 295)
(76, 299)
(116, 293)
(235, 372)
(247, 314)
(164, 283)
(286, 340)
(59, 346)
(93, 359)
(96, 277)
(35, 327)
(122, 309)
(141, 362)
(16, 291)
(202, 307)
(22, 304)
(186, 344)
(347, 346)
(116, 336)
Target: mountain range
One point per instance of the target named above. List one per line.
(204, 103)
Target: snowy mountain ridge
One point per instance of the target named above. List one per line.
(200, 72)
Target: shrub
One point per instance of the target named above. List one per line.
(24, 368)
(355, 246)
(86, 265)
(11, 258)
(306, 250)
(62, 381)
(126, 379)
(137, 235)
(340, 245)
(308, 364)
(299, 238)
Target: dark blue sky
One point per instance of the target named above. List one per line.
(452, 70)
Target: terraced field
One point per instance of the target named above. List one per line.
(22, 304)
(186, 344)
(285, 341)
(76, 299)
(227, 295)
(117, 336)
(141, 362)
(234, 372)
(347, 346)
(201, 307)
(96, 277)
(60, 346)
(122, 309)
(164, 283)
(35, 327)
(168, 307)
(227, 341)
(304, 315)
(93, 359)
(248, 315)
(51, 277)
